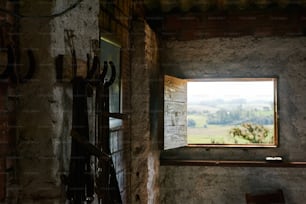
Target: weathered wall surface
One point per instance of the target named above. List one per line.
(227, 185)
(44, 106)
(144, 155)
(82, 21)
(152, 60)
(37, 163)
(247, 57)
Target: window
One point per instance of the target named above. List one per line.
(227, 112)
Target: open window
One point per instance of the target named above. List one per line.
(220, 112)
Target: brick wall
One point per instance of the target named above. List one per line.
(114, 19)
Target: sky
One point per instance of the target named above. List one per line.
(229, 90)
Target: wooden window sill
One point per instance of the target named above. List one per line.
(226, 163)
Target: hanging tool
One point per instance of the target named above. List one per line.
(80, 179)
(69, 36)
(78, 161)
(107, 184)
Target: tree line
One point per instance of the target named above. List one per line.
(237, 116)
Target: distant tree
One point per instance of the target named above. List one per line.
(191, 123)
(221, 117)
(238, 115)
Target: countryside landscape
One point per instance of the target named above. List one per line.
(230, 118)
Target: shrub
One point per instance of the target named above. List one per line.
(251, 132)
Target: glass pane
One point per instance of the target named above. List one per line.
(232, 112)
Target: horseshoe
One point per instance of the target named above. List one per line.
(101, 78)
(113, 74)
(11, 72)
(32, 66)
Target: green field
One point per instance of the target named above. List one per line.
(213, 134)
(203, 133)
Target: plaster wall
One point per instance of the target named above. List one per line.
(82, 21)
(44, 106)
(246, 57)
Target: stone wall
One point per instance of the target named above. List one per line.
(228, 185)
(37, 163)
(44, 106)
(246, 57)
(144, 154)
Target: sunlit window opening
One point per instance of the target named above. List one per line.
(232, 112)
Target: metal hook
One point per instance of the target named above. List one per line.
(11, 72)
(69, 39)
(91, 71)
(113, 75)
(104, 72)
(100, 80)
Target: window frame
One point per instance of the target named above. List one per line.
(275, 105)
